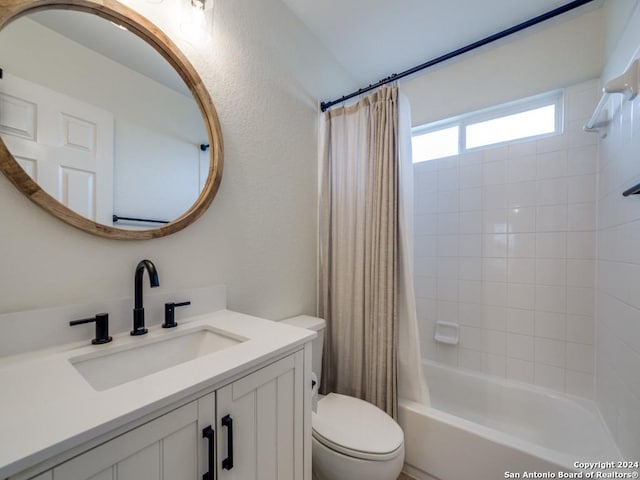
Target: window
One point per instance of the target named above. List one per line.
(435, 144)
(525, 119)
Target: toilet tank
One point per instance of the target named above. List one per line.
(317, 325)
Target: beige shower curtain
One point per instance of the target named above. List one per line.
(359, 250)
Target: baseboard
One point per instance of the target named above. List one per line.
(416, 473)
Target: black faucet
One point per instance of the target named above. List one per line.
(102, 327)
(170, 313)
(138, 310)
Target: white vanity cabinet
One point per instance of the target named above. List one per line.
(165, 448)
(258, 424)
(266, 409)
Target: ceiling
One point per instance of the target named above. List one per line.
(118, 44)
(373, 39)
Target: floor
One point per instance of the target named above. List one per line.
(404, 476)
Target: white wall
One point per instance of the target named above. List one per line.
(265, 72)
(505, 247)
(617, 15)
(618, 299)
(549, 56)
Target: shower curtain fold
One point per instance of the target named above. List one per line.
(361, 251)
(411, 381)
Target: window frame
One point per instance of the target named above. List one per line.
(554, 97)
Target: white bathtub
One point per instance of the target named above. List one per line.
(481, 427)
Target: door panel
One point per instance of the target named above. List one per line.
(162, 448)
(143, 465)
(267, 428)
(61, 134)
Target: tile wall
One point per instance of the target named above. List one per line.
(618, 300)
(505, 247)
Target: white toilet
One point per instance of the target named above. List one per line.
(352, 439)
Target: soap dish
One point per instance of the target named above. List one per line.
(446, 332)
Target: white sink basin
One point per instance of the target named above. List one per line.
(104, 370)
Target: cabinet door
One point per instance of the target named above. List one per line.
(266, 410)
(166, 448)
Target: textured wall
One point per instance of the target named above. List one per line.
(265, 73)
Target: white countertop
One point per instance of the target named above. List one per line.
(47, 407)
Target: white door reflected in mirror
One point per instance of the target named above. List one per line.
(64, 144)
(114, 129)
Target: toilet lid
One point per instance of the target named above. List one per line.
(356, 428)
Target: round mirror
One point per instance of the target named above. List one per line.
(103, 121)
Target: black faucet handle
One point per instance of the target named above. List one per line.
(169, 313)
(102, 327)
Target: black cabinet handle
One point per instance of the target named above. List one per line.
(227, 421)
(208, 433)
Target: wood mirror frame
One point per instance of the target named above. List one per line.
(116, 12)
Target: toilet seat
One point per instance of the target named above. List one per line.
(356, 428)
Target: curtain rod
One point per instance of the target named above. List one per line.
(472, 46)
